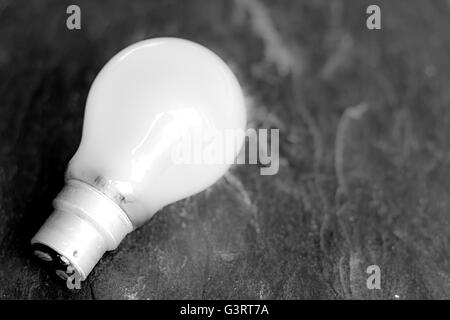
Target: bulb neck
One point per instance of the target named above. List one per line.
(84, 225)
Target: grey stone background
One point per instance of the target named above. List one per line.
(364, 119)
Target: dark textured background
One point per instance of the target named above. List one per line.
(364, 120)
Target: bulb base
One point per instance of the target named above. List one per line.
(84, 225)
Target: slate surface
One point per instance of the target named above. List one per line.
(364, 174)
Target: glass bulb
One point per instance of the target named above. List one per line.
(141, 106)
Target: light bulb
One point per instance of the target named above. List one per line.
(140, 107)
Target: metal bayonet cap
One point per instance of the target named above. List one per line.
(85, 224)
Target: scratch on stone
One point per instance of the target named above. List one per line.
(350, 114)
(355, 278)
(130, 295)
(91, 288)
(323, 233)
(338, 58)
(244, 196)
(184, 262)
(342, 277)
(237, 184)
(338, 40)
(313, 128)
(227, 256)
(31, 290)
(264, 290)
(133, 293)
(276, 51)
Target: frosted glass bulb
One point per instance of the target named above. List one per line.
(140, 106)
